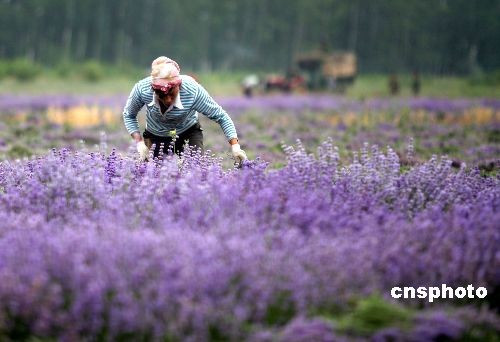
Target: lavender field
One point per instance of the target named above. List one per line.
(467, 130)
(341, 200)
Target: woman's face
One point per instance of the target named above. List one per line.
(168, 98)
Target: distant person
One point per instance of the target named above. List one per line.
(393, 84)
(172, 104)
(294, 79)
(249, 83)
(415, 83)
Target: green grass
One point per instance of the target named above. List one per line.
(75, 79)
(52, 84)
(372, 314)
(433, 86)
(49, 82)
(222, 83)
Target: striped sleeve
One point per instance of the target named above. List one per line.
(206, 105)
(132, 108)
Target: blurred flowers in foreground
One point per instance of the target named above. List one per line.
(290, 254)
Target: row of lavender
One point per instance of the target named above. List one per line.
(98, 246)
(465, 129)
(471, 136)
(315, 102)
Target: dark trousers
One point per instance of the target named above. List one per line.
(193, 136)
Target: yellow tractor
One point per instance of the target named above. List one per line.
(328, 70)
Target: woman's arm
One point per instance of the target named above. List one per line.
(206, 105)
(132, 108)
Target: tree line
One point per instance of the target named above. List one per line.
(434, 36)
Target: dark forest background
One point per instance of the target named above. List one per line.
(433, 36)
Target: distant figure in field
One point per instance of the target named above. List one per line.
(249, 83)
(415, 83)
(173, 102)
(393, 84)
(294, 79)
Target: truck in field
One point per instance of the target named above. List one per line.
(312, 71)
(327, 70)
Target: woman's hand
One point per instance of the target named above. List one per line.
(238, 153)
(143, 150)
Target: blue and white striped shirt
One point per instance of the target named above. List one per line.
(194, 99)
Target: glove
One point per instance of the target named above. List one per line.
(238, 153)
(143, 150)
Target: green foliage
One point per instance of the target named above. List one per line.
(488, 169)
(121, 78)
(376, 85)
(23, 69)
(92, 71)
(125, 70)
(387, 35)
(374, 313)
(20, 329)
(479, 335)
(490, 78)
(217, 335)
(4, 67)
(281, 310)
(19, 151)
(64, 69)
(493, 136)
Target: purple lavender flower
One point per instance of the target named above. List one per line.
(436, 327)
(95, 243)
(304, 330)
